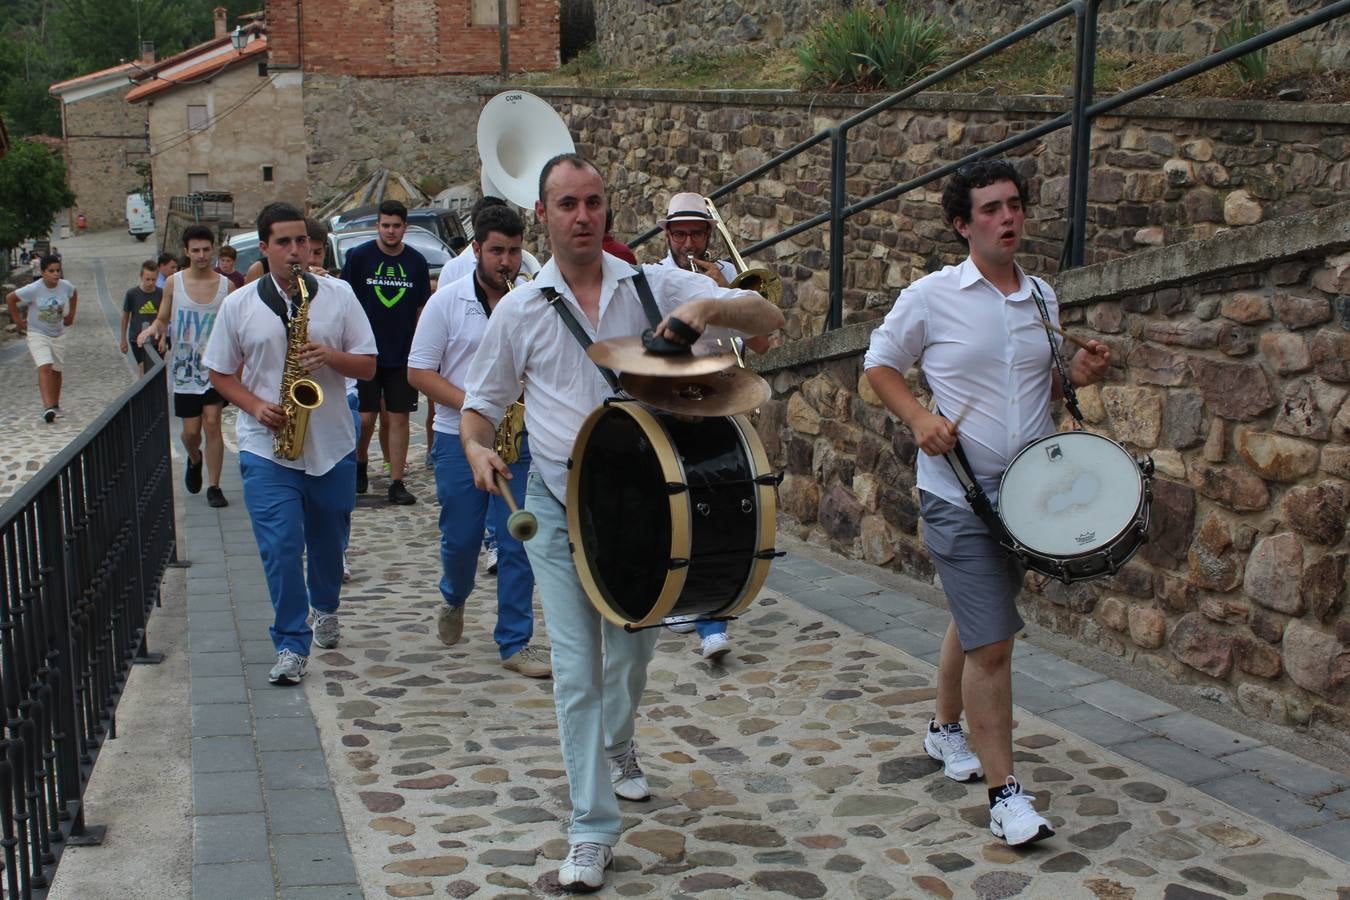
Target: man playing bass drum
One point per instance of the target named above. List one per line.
(528, 340)
(977, 328)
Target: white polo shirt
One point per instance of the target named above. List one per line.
(987, 360)
(526, 340)
(448, 333)
(248, 333)
(726, 266)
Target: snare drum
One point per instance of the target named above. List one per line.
(1076, 505)
(667, 515)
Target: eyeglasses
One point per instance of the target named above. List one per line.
(681, 235)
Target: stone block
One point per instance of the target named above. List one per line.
(1135, 414)
(840, 513)
(1287, 353)
(1198, 644)
(1237, 391)
(877, 547)
(1302, 312)
(1240, 208)
(1213, 565)
(1224, 610)
(1322, 585)
(1183, 418)
(1318, 511)
(1316, 661)
(1268, 626)
(1177, 594)
(1275, 457)
(1257, 658)
(1232, 486)
(1269, 578)
(1336, 461)
(1107, 318)
(799, 496)
(1148, 626)
(1150, 364)
(1301, 415)
(1169, 463)
(1112, 612)
(1247, 308)
(1215, 442)
(1331, 355)
(1261, 703)
(1171, 524)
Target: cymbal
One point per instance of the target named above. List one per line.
(626, 354)
(728, 392)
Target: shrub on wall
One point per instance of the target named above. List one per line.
(865, 48)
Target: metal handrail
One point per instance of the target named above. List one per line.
(1080, 117)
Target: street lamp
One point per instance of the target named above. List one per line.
(238, 39)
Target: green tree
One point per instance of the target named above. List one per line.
(33, 191)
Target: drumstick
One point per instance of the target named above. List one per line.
(1068, 337)
(521, 524)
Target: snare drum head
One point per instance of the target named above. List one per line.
(1070, 493)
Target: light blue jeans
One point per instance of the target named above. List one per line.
(599, 673)
(463, 511)
(300, 523)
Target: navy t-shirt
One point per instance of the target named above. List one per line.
(391, 289)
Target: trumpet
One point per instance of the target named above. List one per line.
(762, 281)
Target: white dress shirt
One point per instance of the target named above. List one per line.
(248, 333)
(448, 333)
(526, 340)
(987, 360)
(459, 266)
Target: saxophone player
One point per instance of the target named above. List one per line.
(298, 506)
(447, 337)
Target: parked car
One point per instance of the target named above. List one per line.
(245, 245)
(444, 223)
(421, 240)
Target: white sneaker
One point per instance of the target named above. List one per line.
(490, 560)
(1015, 820)
(680, 624)
(346, 569)
(584, 869)
(629, 782)
(327, 629)
(715, 646)
(948, 746)
(290, 668)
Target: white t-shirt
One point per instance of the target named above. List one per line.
(448, 333)
(190, 330)
(46, 307)
(527, 341)
(248, 333)
(987, 360)
(459, 266)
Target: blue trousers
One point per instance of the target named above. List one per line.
(464, 508)
(706, 628)
(599, 673)
(299, 520)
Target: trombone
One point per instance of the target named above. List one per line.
(764, 282)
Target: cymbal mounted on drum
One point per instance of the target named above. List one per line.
(517, 134)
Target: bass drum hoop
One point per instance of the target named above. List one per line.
(681, 532)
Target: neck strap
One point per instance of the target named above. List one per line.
(1070, 395)
(644, 292)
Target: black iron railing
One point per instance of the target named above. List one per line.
(83, 547)
(1083, 110)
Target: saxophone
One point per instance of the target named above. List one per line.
(299, 392)
(509, 433)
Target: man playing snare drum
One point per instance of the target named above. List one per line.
(528, 340)
(984, 350)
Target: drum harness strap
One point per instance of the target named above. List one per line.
(644, 292)
(975, 495)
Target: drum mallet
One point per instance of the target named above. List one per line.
(521, 524)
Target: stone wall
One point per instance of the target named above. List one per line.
(104, 139)
(424, 126)
(653, 31)
(1165, 172)
(1231, 368)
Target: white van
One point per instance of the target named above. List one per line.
(140, 216)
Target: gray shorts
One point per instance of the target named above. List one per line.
(980, 578)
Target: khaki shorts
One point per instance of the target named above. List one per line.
(45, 350)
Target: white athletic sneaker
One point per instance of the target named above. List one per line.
(584, 869)
(490, 560)
(1015, 820)
(948, 746)
(290, 668)
(715, 646)
(680, 624)
(346, 569)
(629, 782)
(327, 629)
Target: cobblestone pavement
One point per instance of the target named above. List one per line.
(794, 769)
(101, 266)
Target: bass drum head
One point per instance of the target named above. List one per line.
(1070, 493)
(623, 524)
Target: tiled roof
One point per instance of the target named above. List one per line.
(198, 71)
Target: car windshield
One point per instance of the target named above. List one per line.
(423, 243)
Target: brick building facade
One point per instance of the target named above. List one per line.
(104, 139)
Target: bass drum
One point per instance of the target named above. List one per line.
(668, 516)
